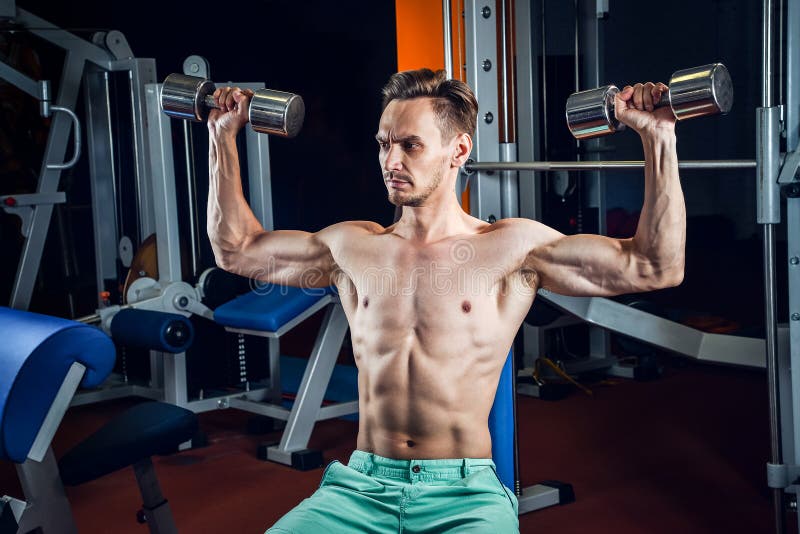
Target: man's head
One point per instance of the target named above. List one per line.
(425, 133)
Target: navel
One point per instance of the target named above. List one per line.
(466, 307)
(410, 443)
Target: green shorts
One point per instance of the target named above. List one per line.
(373, 494)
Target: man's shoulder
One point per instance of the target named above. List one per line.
(350, 230)
(514, 225)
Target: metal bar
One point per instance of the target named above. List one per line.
(793, 267)
(767, 42)
(19, 80)
(48, 183)
(62, 38)
(56, 412)
(102, 173)
(528, 121)
(769, 214)
(770, 307)
(481, 41)
(792, 75)
(542, 166)
(448, 38)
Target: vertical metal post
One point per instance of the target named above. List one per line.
(792, 75)
(768, 166)
(163, 198)
(528, 49)
(142, 72)
(49, 179)
(529, 130)
(100, 143)
(793, 253)
(509, 181)
(481, 42)
(259, 177)
(448, 37)
(589, 45)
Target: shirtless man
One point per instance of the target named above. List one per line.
(434, 300)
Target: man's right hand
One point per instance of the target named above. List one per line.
(233, 112)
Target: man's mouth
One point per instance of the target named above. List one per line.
(398, 181)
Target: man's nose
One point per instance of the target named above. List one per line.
(393, 160)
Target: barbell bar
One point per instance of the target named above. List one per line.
(544, 166)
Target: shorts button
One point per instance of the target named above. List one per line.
(415, 469)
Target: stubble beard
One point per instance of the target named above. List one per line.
(398, 199)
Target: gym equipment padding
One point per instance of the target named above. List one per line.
(35, 354)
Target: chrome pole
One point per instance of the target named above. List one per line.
(544, 166)
(448, 38)
(769, 215)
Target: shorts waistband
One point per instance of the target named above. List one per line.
(411, 470)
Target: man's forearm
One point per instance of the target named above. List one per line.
(230, 219)
(661, 233)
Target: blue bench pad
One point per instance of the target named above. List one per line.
(268, 308)
(36, 351)
(138, 433)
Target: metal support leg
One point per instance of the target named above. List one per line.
(155, 507)
(312, 387)
(275, 370)
(793, 238)
(175, 379)
(47, 508)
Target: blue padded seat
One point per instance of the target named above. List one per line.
(36, 351)
(502, 426)
(138, 433)
(269, 308)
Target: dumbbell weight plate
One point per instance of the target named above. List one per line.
(277, 113)
(591, 113)
(183, 97)
(698, 91)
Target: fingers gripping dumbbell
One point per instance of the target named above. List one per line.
(271, 112)
(694, 92)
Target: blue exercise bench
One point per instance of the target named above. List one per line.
(270, 312)
(503, 429)
(43, 360)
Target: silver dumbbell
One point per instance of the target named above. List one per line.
(694, 92)
(271, 112)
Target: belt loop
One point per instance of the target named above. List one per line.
(465, 468)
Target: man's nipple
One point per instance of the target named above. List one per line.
(466, 307)
(366, 302)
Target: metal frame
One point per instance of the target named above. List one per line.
(46, 506)
(82, 61)
(481, 38)
(780, 351)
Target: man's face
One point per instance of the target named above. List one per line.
(412, 156)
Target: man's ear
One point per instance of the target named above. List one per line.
(461, 150)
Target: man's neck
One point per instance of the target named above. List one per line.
(434, 221)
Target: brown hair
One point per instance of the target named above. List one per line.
(453, 101)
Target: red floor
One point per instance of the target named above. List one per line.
(684, 454)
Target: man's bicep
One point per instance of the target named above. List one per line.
(286, 257)
(587, 265)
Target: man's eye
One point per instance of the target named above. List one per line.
(411, 146)
(383, 145)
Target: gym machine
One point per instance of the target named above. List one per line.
(495, 190)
